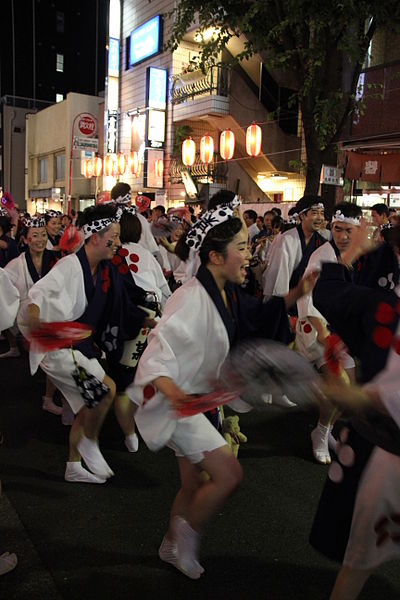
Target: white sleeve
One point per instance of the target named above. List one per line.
(305, 305)
(9, 301)
(147, 239)
(276, 276)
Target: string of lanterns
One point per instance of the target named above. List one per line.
(226, 146)
(117, 164)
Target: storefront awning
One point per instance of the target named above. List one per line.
(383, 168)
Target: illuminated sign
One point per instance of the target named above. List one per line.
(156, 88)
(155, 128)
(146, 40)
(113, 57)
(152, 178)
(112, 129)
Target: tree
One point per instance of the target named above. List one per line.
(324, 44)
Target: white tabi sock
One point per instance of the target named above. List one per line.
(187, 544)
(132, 442)
(95, 461)
(320, 443)
(74, 472)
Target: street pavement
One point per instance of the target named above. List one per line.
(84, 542)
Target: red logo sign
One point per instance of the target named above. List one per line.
(87, 125)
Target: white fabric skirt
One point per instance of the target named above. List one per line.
(59, 366)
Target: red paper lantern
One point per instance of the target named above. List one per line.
(134, 163)
(108, 165)
(88, 168)
(159, 167)
(227, 144)
(253, 140)
(121, 163)
(188, 152)
(97, 166)
(206, 149)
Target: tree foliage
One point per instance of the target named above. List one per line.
(323, 44)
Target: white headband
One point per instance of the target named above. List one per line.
(126, 199)
(313, 206)
(211, 218)
(124, 208)
(339, 216)
(35, 222)
(96, 226)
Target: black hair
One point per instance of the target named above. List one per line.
(381, 209)
(277, 221)
(277, 211)
(251, 214)
(306, 202)
(120, 189)
(131, 228)
(348, 209)
(269, 212)
(160, 207)
(5, 224)
(221, 197)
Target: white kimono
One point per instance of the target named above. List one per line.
(9, 301)
(147, 239)
(149, 275)
(284, 256)
(189, 346)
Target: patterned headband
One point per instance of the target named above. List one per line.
(52, 213)
(126, 199)
(4, 212)
(35, 222)
(386, 226)
(98, 225)
(339, 216)
(313, 206)
(124, 208)
(292, 219)
(210, 219)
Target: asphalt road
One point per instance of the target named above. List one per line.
(84, 542)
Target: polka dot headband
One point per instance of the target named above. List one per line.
(35, 222)
(339, 216)
(96, 226)
(52, 213)
(126, 199)
(210, 219)
(4, 212)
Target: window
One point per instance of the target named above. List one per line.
(60, 166)
(59, 21)
(43, 170)
(60, 63)
(59, 97)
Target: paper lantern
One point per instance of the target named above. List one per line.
(159, 167)
(227, 144)
(206, 149)
(88, 168)
(134, 163)
(108, 165)
(97, 166)
(188, 152)
(121, 163)
(253, 140)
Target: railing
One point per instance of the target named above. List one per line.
(216, 171)
(21, 102)
(188, 86)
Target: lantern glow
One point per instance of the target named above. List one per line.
(159, 167)
(253, 140)
(121, 163)
(188, 152)
(108, 165)
(227, 144)
(134, 163)
(206, 149)
(97, 166)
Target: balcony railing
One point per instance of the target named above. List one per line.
(191, 85)
(216, 171)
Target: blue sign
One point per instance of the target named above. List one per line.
(113, 57)
(156, 88)
(146, 41)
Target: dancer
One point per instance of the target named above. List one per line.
(8, 251)
(357, 521)
(83, 287)
(53, 227)
(201, 320)
(312, 329)
(290, 252)
(24, 272)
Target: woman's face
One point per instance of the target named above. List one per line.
(236, 259)
(36, 238)
(53, 226)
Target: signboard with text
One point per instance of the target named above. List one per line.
(146, 40)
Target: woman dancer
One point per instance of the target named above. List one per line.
(201, 320)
